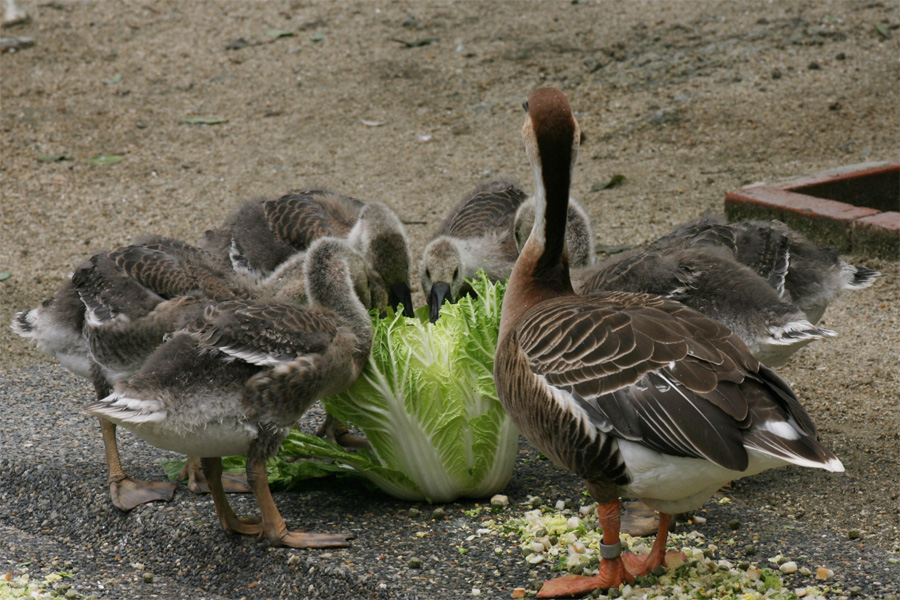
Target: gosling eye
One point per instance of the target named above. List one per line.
(428, 273)
(525, 105)
(455, 272)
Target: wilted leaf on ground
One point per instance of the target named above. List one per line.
(318, 36)
(4, 276)
(49, 158)
(106, 159)
(203, 120)
(279, 33)
(114, 79)
(615, 180)
(368, 123)
(882, 30)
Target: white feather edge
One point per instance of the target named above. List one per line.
(119, 408)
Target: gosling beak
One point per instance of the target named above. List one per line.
(440, 293)
(401, 294)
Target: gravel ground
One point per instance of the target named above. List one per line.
(55, 514)
(688, 100)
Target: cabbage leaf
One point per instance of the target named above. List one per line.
(426, 402)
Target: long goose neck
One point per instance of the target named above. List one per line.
(542, 270)
(329, 285)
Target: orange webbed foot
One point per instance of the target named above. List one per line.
(640, 565)
(611, 573)
(128, 493)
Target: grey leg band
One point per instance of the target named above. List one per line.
(610, 552)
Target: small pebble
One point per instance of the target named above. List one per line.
(805, 571)
(658, 571)
(814, 66)
(855, 591)
(71, 594)
(776, 74)
(788, 567)
(853, 534)
(499, 501)
(293, 559)
(749, 549)
(518, 593)
(536, 502)
(439, 513)
(734, 524)
(147, 577)
(415, 512)
(414, 563)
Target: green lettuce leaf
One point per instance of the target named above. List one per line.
(427, 404)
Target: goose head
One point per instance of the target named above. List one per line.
(442, 274)
(381, 237)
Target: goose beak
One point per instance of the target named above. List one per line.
(401, 294)
(440, 293)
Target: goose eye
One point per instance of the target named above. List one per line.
(525, 105)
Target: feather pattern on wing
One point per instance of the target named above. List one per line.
(651, 370)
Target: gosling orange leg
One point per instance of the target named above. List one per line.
(124, 491)
(273, 525)
(212, 468)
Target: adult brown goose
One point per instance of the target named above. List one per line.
(476, 234)
(236, 380)
(637, 394)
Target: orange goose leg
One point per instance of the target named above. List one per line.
(124, 491)
(642, 565)
(212, 469)
(273, 525)
(611, 572)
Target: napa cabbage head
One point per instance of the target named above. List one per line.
(426, 402)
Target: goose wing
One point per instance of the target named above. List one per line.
(265, 334)
(646, 369)
(300, 219)
(491, 208)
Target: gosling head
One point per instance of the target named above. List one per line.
(442, 274)
(381, 237)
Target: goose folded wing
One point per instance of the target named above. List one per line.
(647, 369)
(107, 291)
(300, 219)
(264, 334)
(490, 209)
